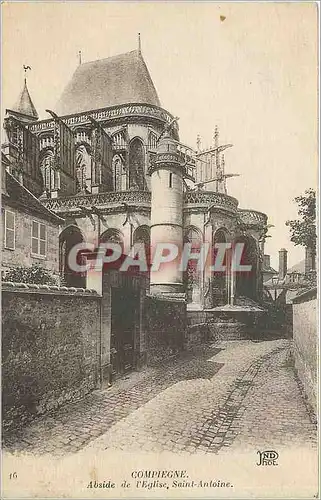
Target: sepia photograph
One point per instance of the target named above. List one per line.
(160, 259)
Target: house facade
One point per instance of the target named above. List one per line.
(30, 230)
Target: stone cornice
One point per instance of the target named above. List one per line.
(210, 200)
(106, 115)
(106, 202)
(252, 218)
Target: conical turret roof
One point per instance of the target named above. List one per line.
(24, 104)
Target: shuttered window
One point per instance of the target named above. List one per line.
(38, 238)
(10, 230)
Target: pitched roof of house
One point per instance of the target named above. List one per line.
(108, 82)
(24, 104)
(268, 269)
(299, 267)
(20, 197)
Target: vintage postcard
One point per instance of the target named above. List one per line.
(159, 250)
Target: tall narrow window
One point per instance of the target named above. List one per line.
(136, 165)
(9, 236)
(38, 239)
(170, 180)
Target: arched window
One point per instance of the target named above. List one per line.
(142, 235)
(50, 177)
(136, 165)
(112, 235)
(152, 141)
(83, 169)
(119, 183)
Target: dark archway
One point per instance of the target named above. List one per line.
(142, 235)
(219, 278)
(246, 283)
(136, 165)
(70, 237)
(193, 276)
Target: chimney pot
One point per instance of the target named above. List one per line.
(283, 263)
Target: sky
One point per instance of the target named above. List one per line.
(250, 68)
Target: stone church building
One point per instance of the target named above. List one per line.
(109, 162)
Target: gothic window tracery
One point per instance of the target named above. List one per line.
(136, 165)
(119, 174)
(51, 178)
(83, 168)
(119, 141)
(112, 235)
(46, 141)
(152, 141)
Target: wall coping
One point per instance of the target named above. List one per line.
(164, 298)
(9, 286)
(305, 296)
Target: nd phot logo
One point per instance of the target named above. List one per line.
(268, 457)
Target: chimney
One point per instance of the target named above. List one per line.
(267, 261)
(283, 263)
(309, 261)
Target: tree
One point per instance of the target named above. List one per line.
(303, 230)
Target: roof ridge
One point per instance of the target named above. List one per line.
(110, 57)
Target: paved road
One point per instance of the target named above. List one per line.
(224, 397)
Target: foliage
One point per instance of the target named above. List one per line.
(303, 229)
(35, 274)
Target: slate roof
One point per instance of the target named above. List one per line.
(299, 267)
(108, 82)
(17, 195)
(24, 104)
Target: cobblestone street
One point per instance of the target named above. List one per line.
(223, 397)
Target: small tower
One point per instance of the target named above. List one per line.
(24, 109)
(19, 144)
(167, 214)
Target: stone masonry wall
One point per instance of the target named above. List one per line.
(164, 322)
(50, 349)
(305, 342)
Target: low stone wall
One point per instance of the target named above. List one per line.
(305, 343)
(196, 335)
(50, 349)
(164, 321)
(223, 324)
